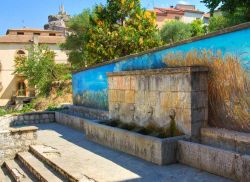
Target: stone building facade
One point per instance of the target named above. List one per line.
(15, 43)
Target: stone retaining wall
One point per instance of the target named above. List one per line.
(217, 161)
(86, 112)
(26, 119)
(16, 140)
(152, 96)
(71, 121)
(226, 139)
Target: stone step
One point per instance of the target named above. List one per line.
(52, 157)
(42, 171)
(215, 160)
(18, 171)
(4, 176)
(226, 139)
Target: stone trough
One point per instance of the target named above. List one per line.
(152, 149)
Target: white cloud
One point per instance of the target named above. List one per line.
(182, 2)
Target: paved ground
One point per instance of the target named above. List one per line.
(103, 164)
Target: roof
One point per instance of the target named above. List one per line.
(176, 10)
(32, 30)
(168, 10)
(29, 39)
(207, 15)
(185, 6)
(193, 11)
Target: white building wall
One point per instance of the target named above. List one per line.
(189, 17)
(9, 80)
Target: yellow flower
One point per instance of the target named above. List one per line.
(141, 41)
(132, 4)
(122, 2)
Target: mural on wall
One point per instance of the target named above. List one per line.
(90, 86)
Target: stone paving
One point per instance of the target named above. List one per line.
(82, 157)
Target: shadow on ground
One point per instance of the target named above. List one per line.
(146, 170)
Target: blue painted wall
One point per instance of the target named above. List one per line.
(90, 86)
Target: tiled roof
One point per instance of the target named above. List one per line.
(168, 10)
(29, 39)
(176, 10)
(207, 15)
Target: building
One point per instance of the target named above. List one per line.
(58, 22)
(182, 12)
(15, 43)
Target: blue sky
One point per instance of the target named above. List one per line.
(34, 13)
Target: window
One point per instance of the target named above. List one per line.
(20, 33)
(37, 34)
(21, 88)
(52, 34)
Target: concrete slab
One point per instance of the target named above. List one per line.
(84, 158)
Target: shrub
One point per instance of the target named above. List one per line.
(174, 31)
(228, 87)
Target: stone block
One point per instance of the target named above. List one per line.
(142, 83)
(184, 83)
(163, 83)
(111, 84)
(130, 96)
(132, 82)
(45, 116)
(245, 177)
(120, 95)
(113, 97)
(120, 83)
(189, 154)
(199, 99)
(199, 81)
(217, 161)
(166, 99)
(140, 97)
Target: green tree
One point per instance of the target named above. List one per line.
(77, 41)
(231, 7)
(197, 28)
(217, 23)
(39, 68)
(174, 31)
(117, 29)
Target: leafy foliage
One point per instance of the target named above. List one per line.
(233, 13)
(217, 23)
(232, 7)
(174, 31)
(107, 32)
(197, 28)
(39, 68)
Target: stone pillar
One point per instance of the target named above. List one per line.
(151, 96)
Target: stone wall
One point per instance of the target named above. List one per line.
(226, 139)
(70, 120)
(86, 112)
(151, 96)
(213, 160)
(16, 140)
(158, 151)
(26, 119)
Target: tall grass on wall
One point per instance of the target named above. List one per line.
(228, 87)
